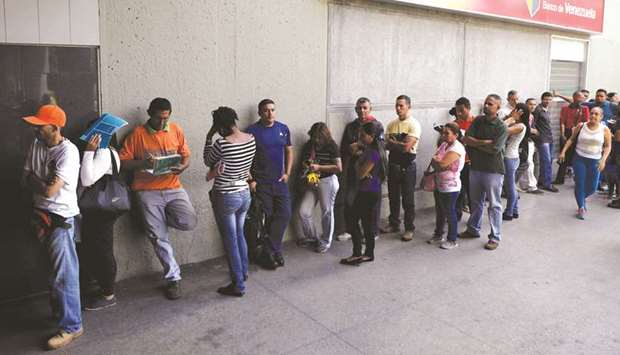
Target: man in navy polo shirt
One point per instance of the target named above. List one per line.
(600, 100)
(271, 171)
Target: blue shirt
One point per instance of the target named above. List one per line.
(271, 143)
(609, 110)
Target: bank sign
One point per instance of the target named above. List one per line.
(581, 15)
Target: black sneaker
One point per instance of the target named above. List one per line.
(279, 259)
(173, 290)
(266, 261)
(551, 189)
(506, 217)
(230, 290)
(99, 302)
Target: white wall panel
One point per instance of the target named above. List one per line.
(2, 23)
(54, 21)
(61, 22)
(22, 21)
(84, 22)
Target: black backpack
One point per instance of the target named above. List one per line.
(254, 229)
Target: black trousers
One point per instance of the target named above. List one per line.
(96, 254)
(463, 198)
(559, 177)
(364, 210)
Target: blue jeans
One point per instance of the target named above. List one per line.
(483, 185)
(544, 153)
(64, 281)
(230, 210)
(276, 201)
(512, 196)
(445, 209)
(586, 178)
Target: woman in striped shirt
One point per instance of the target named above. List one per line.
(321, 157)
(229, 160)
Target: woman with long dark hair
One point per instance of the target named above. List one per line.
(448, 161)
(516, 132)
(321, 162)
(592, 142)
(229, 160)
(97, 233)
(370, 171)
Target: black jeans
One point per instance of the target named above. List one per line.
(463, 198)
(97, 249)
(366, 204)
(342, 209)
(401, 186)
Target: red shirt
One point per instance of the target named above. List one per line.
(570, 116)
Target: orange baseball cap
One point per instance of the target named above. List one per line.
(48, 114)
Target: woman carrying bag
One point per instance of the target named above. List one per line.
(321, 162)
(448, 161)
(97, 237)
(592, 145)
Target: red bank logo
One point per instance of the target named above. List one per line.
(533, 6)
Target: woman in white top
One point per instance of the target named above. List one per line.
(448, 161)
(516, 131)
(593, 145)
(97, 244)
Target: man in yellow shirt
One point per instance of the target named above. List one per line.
(402, 137)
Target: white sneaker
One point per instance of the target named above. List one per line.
(448, 245)
(343, 237)
(436, 240)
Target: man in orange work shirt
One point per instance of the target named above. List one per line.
(161, 198)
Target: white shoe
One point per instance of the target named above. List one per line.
(343, 237)
(436, 240)
(448, 245)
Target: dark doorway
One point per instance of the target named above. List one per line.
(31, 76)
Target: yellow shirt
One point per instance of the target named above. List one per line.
(409, 126)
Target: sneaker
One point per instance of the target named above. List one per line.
(436, 240)
(468, 235)
(407, 236)
(306, 242)
(376, 236)
(506, 217)
(491, 245)
(581, 214)
(173, 290)
(535, 192)
(63, 338)
(449, 245)
(551, 189)
(343, 237)
(515, 215)
(521, 189)
(390, 229)
(230, 290)
(279, 259)
(322, 249)
(100, 302)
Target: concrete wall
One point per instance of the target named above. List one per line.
(202, 55)
(605, 52)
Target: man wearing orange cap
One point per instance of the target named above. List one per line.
(51, 172)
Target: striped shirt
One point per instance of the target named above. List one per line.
(237, 159)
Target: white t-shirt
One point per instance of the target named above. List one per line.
(513, 142)
(64, 161)
(449, 180)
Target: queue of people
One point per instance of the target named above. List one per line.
(477, 159)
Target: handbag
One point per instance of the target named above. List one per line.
(428, 182)
(108, 194)
(570, 153)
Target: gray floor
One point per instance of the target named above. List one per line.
(551, 288)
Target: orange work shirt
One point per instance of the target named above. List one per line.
(144, 141)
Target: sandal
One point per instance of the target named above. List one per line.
(351, 260)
